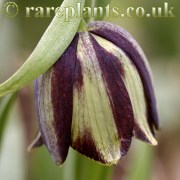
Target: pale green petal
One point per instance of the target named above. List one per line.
(92, 114)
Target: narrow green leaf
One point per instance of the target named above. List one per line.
(52, 45)
(5, 106)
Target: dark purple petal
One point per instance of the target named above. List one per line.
(62, 96)
(56, 92)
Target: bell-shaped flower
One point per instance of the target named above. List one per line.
(96, 97)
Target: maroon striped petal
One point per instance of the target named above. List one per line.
(126, 42)
(133, 84)
(54, 98)
(112, 72)
(102, 113)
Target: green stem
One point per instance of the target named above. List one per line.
(82, 26)
(96, 3)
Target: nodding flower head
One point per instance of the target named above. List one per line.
(96, 97)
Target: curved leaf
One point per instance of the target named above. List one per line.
(52, 45)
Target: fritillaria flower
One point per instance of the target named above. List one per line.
(96, 97)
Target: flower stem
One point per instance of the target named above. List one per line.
(82, 26)
(96, 3)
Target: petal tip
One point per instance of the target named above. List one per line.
(37, 142)
(153, 141)
(144, 136)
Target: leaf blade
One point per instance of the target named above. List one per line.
(51, 46)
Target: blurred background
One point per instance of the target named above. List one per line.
(159, 38)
